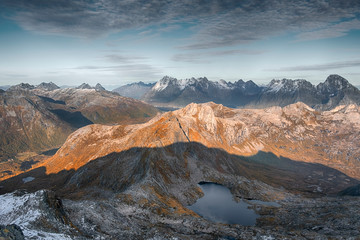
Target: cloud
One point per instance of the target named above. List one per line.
(217, 22)
(264, 19)
(203, 57)
(118, 58)
(131, 71)
(333, 31)
(321, 67)
(15, 75)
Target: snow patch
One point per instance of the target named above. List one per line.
(275, 86)
(223, 84)
(267, 238)
(23, 211)
(164, 83)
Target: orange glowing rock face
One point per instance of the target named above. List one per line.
(296, 132)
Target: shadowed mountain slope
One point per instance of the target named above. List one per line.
(181, 166)
(35, 119)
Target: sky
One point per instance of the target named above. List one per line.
(116, 42)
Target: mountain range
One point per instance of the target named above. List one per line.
(34, 119)
(176, 93)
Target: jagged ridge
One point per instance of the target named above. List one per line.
(172, 92)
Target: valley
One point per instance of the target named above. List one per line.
(136, 180)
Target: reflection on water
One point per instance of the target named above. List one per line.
(217, 205)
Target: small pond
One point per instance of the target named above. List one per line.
(218, 205)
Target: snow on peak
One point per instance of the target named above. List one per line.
(183, 83)
(201, 82)
(286, 85)
(223, 84)
(275, 85)
(163, 83)
(178, 83)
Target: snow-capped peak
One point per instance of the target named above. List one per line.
(275, 85)
(223, 84)
(163, 83)
(181, 84)
(287, 85)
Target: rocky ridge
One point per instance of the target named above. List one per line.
(297, 132)
(172, 92)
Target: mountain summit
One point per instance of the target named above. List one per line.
(84, 86)
(134, 90)
(47, 86)
(99, 87)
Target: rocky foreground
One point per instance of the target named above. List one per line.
(41, 215)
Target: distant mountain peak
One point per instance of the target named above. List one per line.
(336, 81)
(164, 83)
(84, 86)
(98, 87)
(288, 85)
(141, 83)
(21, 86)
(47, 86)
(333, 84)
(134, 90)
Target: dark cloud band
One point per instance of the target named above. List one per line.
(218, 22)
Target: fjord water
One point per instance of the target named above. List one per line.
(218, 205)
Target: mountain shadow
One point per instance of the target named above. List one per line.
(47, 99)
(75, 119)
(170, 169)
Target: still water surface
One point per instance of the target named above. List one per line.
(217, 205)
